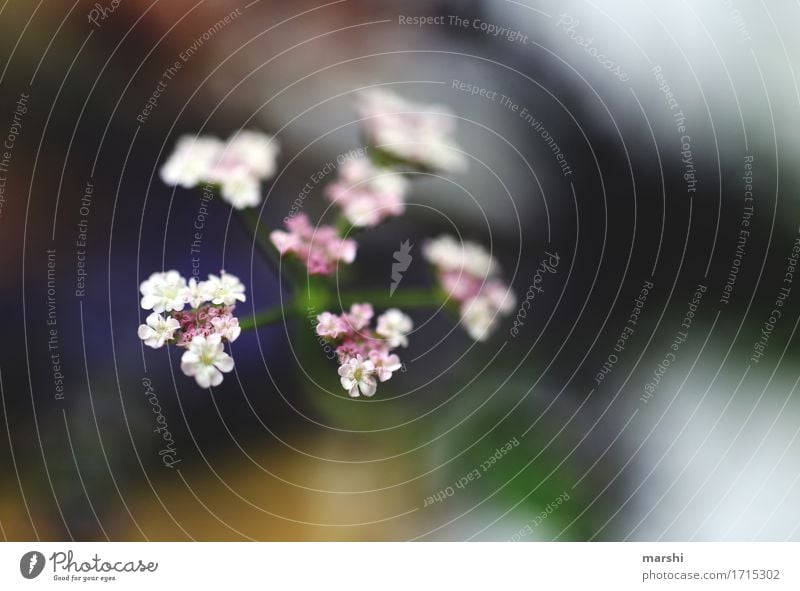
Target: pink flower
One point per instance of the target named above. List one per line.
(385, 364)
(362, 349)
(227, 326)
(468, 273)
(366, 194)
(319, 249)
(459, 285)
(359, 316)
(330, 325)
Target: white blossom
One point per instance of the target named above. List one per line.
(414, 133)
(192, 161)
(239, 187)
(164, 292)
(448, 254)
(206, 360)
(237, 166)
(478, 316)
(157, 330)
(256, 151)
(196, 293)
(394, 326)
(224, 289)
(358, 375)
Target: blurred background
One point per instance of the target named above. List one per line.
(651, 393)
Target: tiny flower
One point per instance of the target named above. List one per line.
(467, 272)
(368, 194)
(358, 375)
(158, 330)
(225, 289)
(343, 250)
(164, 292)
(285, 242)
(448, 254)
(237, 166)
(239, 187)
(196, 293)
(500, 296)
(330, 325)
(255, 151)
(360, 315)
(478, 261)
(394, 326)
(227, 327)
(414, 134)
(318, 248)
(478, 316)
(385, 363)
(192, 161)
(206, 360)
(460, 286)
(443, 252)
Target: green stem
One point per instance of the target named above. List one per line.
(402, 298)
(249, 220)
(321, 301)
(267, 317)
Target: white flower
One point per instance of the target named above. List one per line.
(227, 327)
(415, 133)
(206, 360)
(196, 293)
(239, 187)
(237, 166)
(362, 211)
(394, 326)
(478, 261)
(164, 292)
(443, 252)
(357, 376)
(500, 296)
(158, 330)
(385, 364)
(448, 254)
(256, 151)
(191, 161)
(366, 210)
(225, 289)
(479, 316)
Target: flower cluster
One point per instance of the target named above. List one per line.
(367, 194)
(365, 355)
(469, 275)
(415, 135)
(403, 136)
(237, 166)
(202, 329)
(320, 249)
